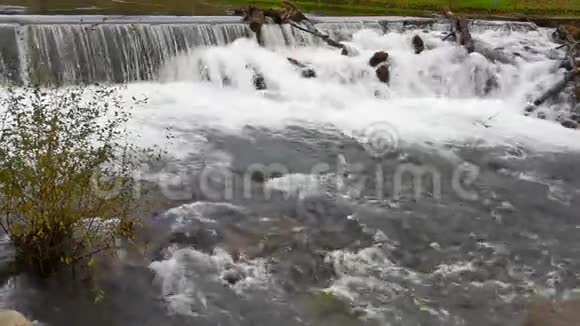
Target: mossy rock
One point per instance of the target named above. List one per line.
(324, 303)
(328, 309)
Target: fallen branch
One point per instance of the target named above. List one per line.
(317, 33)
(293, 11)
(461, 31)
(557, 88)
(491, 54)
(305, 71)
(290, 14)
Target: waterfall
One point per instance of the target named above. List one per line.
(116, 53)
(9, 55)
(64, 50)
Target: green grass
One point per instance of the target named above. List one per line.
(325, 7)
(418, 7)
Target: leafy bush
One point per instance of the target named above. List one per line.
(66, 170)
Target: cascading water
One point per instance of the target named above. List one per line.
(331, 243)
(98, 51)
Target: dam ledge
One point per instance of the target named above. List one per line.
(158, 20)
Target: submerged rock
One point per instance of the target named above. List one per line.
(325, 304)
(233, 276)
(569, 124)
(491, 84)
(308, 73)
(259, 82)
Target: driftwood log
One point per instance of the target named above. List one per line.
(317, 33)
(569, 63)
(460, 33)
(557, 88)
(289, 14)
(305, 71)
(460, 29)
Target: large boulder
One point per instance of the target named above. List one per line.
(378, 58)
(554, 314)
(418, 44)
(13, 318)
(383, 74)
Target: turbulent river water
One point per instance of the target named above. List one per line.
(434, 200)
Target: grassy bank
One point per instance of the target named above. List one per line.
(567, 8)
(420, 7)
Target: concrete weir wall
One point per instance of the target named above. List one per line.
(119, 49)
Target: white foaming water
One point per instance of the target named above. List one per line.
(186, 276)
(436, 96)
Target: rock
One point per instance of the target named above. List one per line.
(259, 81)
(326, 305)
(566, 64)
(383, 74)
(491, 84)
(418, 44)
(258, 177)
(349, 51)
(13, 318)
(297, 265)
(378, 58)
(553, 314)
(308, 73)
(530, 108)
(450, 37)
(233, 276)
(569, 124)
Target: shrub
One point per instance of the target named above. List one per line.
(66, 170)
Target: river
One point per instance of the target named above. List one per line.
(434, 200)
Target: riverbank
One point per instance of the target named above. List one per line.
(506, 8)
